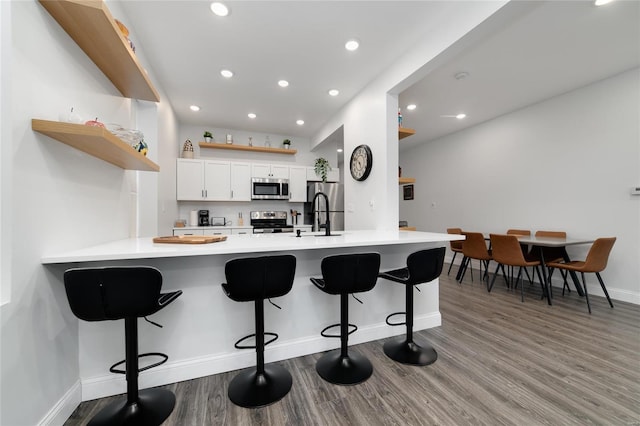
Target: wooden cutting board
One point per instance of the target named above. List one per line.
(190, 239)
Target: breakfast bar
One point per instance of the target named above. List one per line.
(200, 328)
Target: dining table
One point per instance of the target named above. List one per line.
(563, 243)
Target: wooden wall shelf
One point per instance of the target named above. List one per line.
(407, 228)
(91, 26)
(406, 180)
(213, 145)
(404, 132)
(96, 141)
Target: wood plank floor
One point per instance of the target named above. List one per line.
(501, 362)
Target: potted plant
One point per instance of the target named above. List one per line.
(286, 143)
(208, 137)
(321, 167)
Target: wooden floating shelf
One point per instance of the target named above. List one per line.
(406, 180)
(96, 141)
(91, 26)
(407, 228)
(213, 145)
(404, 132)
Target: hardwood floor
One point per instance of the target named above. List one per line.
(500, 362)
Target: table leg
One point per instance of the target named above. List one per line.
(547, 282)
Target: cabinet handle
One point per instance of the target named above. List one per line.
(232, 194)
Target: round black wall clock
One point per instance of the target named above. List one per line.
(361, 162)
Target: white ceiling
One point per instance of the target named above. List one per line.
(527, 52)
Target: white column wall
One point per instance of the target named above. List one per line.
(567, 163)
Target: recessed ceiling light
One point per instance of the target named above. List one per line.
(461, 75)
(602, 2)
(219, 9)
(300, 122)
(352, 45)
(283, 83)
(461, 116)
(411, 107)
(226, 73)
(334, 92)
(251, 115)
(194, 108)
(339, 149)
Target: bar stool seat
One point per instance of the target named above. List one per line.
(129, 293)
(422, 267)
(253, 280)
(343, 275)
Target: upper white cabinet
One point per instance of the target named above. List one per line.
(298, 184)
(276, 171)
(333, 175)
(211, 180)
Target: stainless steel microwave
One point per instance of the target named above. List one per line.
(269, 189)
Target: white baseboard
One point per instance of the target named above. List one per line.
(187, 369)
(63, 409)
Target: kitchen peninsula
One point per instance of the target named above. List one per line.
(201, 327)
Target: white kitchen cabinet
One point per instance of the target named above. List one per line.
(241, 231)
(212, 180)
(302, 228)
(216, 231)
(297, 184)
(188, 232)
(264, 170)
(333, 175)
(240, 183)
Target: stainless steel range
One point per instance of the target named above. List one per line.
(270, 222)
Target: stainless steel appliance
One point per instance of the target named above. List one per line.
(203, 217)
(270, 222)
(317, 216)
(269, 189)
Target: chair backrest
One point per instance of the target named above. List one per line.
(598, 255)
(350, 273)
(111, 293)
(474, 246)
(256, 278)
(551, 234)
(425, 265)
(518, 232)
(506, 250)
(455, 245)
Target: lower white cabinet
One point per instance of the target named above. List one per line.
(187, 232)
(215, 231)
(241, 231)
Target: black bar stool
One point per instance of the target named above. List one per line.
(422, 266)
(114, 293)
(343, 275)
(253, 280)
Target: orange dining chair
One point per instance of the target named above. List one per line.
(506, 251)
(595, 262)
(475, 247)
(456, 246)
(524, 247)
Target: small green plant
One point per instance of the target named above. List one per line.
(207, 134)
(286, 142)
(321, 167)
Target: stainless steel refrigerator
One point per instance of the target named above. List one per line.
(335, 195)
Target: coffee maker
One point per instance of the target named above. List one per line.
(203, 217)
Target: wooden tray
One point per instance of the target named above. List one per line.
(190, 239)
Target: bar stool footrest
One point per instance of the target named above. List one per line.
(164, 357)
(352, 329)
(395, 323)
(237, 345)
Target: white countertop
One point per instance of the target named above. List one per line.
(145, 248)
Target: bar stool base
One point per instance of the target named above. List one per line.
(153, 408)
(406, 352)
(251, 390)
(349, 370)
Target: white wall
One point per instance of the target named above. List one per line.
(371, 118)
(567, 163)
(60, 198)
